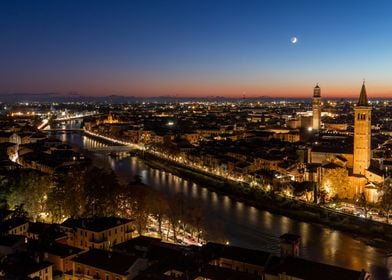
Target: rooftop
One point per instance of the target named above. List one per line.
(61, 250)
(244, 255)
(309, 270)
(110, 261)
(96, 224)
(363, 99)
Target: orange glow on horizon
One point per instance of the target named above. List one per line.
(240, 91)
(232, 89)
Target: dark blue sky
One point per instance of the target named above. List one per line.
(194, 48)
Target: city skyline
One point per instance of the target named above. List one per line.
(195, 139)
(195, 48)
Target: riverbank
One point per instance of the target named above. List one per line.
(365, 229)
(256, 197)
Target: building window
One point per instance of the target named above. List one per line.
(361, 117)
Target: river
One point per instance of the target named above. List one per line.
(247, 226)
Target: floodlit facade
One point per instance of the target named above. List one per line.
(362, 134)
(316, 108)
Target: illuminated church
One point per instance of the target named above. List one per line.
(111, 119)
(346, 171)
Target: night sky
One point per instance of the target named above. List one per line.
(196, 48)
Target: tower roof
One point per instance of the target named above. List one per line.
(363, 99)
(316, 91)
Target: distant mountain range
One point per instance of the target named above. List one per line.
(76, 97)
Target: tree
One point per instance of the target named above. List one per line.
(158, 206)
(30, 189)
(385, 201)
(176, 213)
(363, 202)
(335, 181)
(185, 215)
(101, 192)
(19, 212)
(322, 196)
(135, 202)
(66, 198)
(196, 217)
(304, 189)
(140, 207)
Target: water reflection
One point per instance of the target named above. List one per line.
(249, 227)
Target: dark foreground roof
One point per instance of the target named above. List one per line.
(140, 243)
(309, 270)
(109, 261)
(215, 250)
(61, 250)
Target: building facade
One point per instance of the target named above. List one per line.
(99, 233)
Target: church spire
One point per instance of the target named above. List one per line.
(316, 91)
(363, 99)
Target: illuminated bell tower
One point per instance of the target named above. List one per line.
(316, 107)
(362, 133)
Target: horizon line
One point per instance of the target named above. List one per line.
(42, 95)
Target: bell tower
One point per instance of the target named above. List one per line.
(316, 108)
(362, 133)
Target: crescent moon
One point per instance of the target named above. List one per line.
(294, 40)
